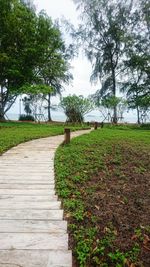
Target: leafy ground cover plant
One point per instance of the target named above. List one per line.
(103, 179)
(13, 133)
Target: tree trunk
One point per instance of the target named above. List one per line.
(2, 117)
(115, 119)
(114, 93)
(114, 89)
(49, 107)
(138, 115)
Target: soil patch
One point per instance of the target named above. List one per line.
(117, 204)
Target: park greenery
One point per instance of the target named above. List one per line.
(75, 107)
(14, 133)
(103, 180)
(33, 56)
(35, 61)
(115, 38)
(101, 177)
(106, 106)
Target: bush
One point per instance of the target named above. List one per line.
(26, 118)
(75, 107)
(145, 126)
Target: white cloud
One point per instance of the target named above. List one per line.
(58, 8)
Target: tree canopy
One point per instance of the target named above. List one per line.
(32, 52)
(137, 61)
(115, 38)
(75, 107)
(103, 32)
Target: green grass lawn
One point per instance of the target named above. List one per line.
(13, 133)
(103, 179)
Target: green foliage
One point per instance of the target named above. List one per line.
(32, 56)
(75, 107)
(110, 102)
(103, 35)
(133, 253)
(84, 238)
(26, 118)
(137, 86)
(75, 166)
(115, 38)
(53, 69)
(107, 104)
(18, 49)
(36, 89)
(11, 133)
(145, 126)
(118, 258)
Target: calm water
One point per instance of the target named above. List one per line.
(92, 116)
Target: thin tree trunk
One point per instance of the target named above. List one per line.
(114, 88)
(138, 115)
(49, 107)
(114, 93)
(1, 112)
(2, 117)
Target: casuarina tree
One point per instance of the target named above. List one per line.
(102, 33)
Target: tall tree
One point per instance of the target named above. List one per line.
(103, 33)
(31, 53)
(17, 50)
(137, 58)
(53, 69)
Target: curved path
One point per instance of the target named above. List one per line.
(32, 230)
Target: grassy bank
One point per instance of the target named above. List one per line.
(13, 133)
(103, 179)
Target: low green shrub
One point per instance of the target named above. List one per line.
(26, 118)
(145, 126)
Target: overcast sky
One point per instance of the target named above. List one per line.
(81, 68)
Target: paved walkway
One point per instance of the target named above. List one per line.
(32, 230)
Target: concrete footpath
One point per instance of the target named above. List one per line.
(32, 230)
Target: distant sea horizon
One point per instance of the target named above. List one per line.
(128, 117)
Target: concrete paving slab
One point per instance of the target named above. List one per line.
(24, 161)
(32, 226)
(26, 172)
(32, 230)
(33, 241)
(35, 258)
(22, 181)
(31, 214)
(49, 205)
(26, 177)
(23, 186)
(29, 198)
(27, 192)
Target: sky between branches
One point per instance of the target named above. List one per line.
(81, 68)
